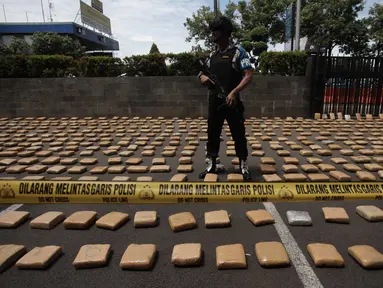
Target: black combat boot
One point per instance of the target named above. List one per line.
(211, 167)
(244, 170)
(219, 166)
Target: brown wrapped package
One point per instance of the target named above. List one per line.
(271, 254)
(367, 256)
(139, 257)
(231, 257)
(39, 257)
(325, 255)
(188, 254)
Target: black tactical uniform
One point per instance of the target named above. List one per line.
(227, 66)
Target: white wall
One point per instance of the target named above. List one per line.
(7, 39)
(302, 44)
(28, 39)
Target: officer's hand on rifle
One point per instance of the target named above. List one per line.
(231, 99)
(205, 80)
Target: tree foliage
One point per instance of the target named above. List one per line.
(259, 14)
(183, 64)
(198, 25)
(254, 21)
(327, 23)
(355, 40)
(375, 23)
(263, 15)
(19, 46)
(154, 49)
(331, 22)
(4, 50)
(53, 44)
(283, 63)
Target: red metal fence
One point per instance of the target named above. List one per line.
(351, 84)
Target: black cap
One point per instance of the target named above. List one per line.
(222, 23)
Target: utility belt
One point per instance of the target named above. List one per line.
(218, 100)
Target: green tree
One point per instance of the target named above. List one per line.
(331, 23)
(19, 46)
(266, 15)
(72, 47)
(327, 23)
(4, 50)
(355, 39)
(198, 25)
(197, 49)
(375, 23)
(154, 49)
(53, 44)
(250, 18)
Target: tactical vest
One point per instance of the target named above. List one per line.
(222, 66)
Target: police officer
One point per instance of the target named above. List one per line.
(231, 66)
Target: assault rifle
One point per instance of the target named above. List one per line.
(214, 83)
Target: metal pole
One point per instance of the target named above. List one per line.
(42, 9)
(298, 26)
(5, 15)
(50, 11)
(293, 13)
(26, 14)
(216, 8)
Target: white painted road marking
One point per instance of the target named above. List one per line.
(305, 273)
(11, 208)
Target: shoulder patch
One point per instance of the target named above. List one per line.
(245, 62)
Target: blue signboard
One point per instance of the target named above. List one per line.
(289, 23)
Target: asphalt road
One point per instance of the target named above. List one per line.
(164, 274)
(368, 130)
(342, 236)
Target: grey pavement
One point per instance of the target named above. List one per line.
(164, 274)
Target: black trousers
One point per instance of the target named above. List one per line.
(218, 112)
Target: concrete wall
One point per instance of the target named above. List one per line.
(8, 39)
(145, 96)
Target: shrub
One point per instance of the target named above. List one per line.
(51, 43)
(146, 65)
(19, 46)
(259, 34)
(100, 66)
(248, 46)
(283, 63)
(5, 50)
(49, 65)
(14, 66)
(184, 64)
(259, 48)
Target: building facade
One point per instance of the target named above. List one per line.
(95, 43)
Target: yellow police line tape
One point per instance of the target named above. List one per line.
(184, 192)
